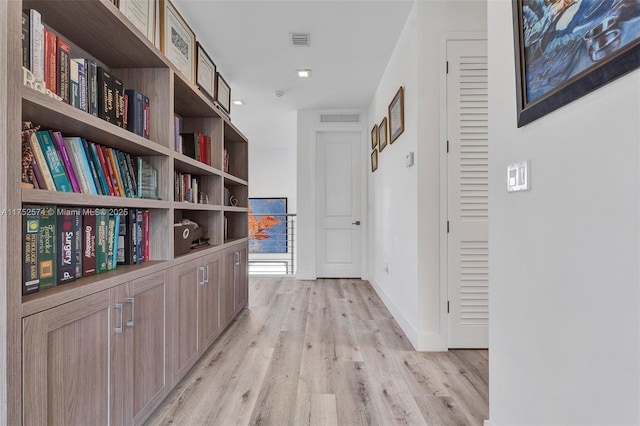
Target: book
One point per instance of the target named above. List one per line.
(72, 146)
(127, 238)
(189, 143)
(64, 155)
(39, 180)
(83, 163)
(147, 180)
(105, 95)
(50, 61)
(139, 236)
(118, 92)
(145, 236)
(132, 172)
(146, 129)
(116, 240)
(92, 87)
(47, 247)
(92, 166)
(124, 172)
(30, 235)
(37, 45)
(68, 223)
(63, 68)
(25, 38)
(82, 84)
(135, 111)
(53, 161)
(74, 85)
(111, 240)
(88, 242)
(102, 246)
(102, 178)
(105, 169)
(115, 171)
(114, 181)
(42, 163)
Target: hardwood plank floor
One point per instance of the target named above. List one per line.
(325, 352)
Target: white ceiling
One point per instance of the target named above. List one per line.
(351, 42)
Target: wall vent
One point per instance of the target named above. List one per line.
(339, 118)
(300, 39)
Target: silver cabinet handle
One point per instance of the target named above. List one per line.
(201, 281)
(132, 301)
(118, 307)
(206, 280)
(237, 254)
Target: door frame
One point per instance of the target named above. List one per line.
(364, 218)
(444, 173)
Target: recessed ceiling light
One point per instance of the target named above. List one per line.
(304, 73)
(238, 102)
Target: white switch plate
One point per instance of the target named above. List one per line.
(408, 160)
(519, 176)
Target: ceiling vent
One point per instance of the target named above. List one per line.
(339, 118)
(300, 39)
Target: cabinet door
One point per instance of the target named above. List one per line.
(227, 291)
(67, 370)
(146, 347)
(209, 301)
(241, 279)
(184, 316)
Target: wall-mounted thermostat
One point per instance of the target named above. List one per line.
(519, 176)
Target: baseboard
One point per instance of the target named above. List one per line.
(406, 326)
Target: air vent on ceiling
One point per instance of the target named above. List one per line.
(339, 118)
(300, 39)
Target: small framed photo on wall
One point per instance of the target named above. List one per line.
(374, 136)
(396, 115)
(177, 40)
(374, 160)
(205, 73)
(382, 132)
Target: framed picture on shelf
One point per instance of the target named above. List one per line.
(205, 73)
(564, 50)
(177, 40)
(374, 136)
(267, 225)
(374, 160)
(142, 14)
(382, 132)
(396, 115)
(223, 94)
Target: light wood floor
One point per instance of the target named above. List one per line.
(325, 352)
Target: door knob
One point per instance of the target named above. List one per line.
(357, 222)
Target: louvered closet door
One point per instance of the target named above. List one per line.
(468, 194)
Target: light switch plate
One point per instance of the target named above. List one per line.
(408, 160)
(519, 176)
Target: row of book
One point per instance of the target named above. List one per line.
(62, 244)
(187, 188)
(194, 145)
(74, 164)
(80, 82)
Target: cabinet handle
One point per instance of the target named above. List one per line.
(118, 307)
(132, 301)
(237, 254)
(206, 280)
(201, 281)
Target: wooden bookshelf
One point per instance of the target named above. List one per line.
(161, 287)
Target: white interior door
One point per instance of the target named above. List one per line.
(338, 204)
(468, 194)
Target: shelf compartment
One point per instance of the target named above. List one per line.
(210, 219)
(37, 302)
(57, 115)
(237, 225)
(232, 134)
(239, 192)
(189, 101)
(41, 196)
(185, 164)
(234, 179)
(76, 21)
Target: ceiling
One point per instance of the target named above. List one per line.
(351, 42)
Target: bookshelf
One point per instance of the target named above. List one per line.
(163, 287)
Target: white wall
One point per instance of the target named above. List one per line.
(564, 317)
(308, 124)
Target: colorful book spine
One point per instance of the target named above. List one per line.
(92, 166)
(37, 45)
(114, 181)
(102, 246)
(82, 84)
(63, 68)
(50, 61)
(139, 236)
(98, 166)
(147, 252)
(92, 87)
(127, 240)
(146, 130)
(64, 155)
(116, 171)
(42, 163)
(84, 162)
(39, 180)
(124, 172)
(48, 247)
(116, 241)
(105, 169)
(76, 164)
(74, 84)
(68, 221)
(88, 242)
(118, 92)
(25, 38)
(111, 240)
(132, 172)
(30, 248)
(53, 161)
(135, 112)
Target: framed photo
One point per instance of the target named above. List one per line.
(374, 136)
(177, 40)
(396, 115)
(223, 94)
(142, 14)
(382, 131)
(565, 50)
(267, 225)
(205, 73)
(374, 160)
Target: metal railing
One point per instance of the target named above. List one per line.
(272, 244)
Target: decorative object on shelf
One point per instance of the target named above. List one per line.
(184, 233)
(374, 136)
(267, 225)
(396, 115)
(177, 39)
(382, 132)
(205, 73)
(233, 201)
(142, 14)
(374, 160)
(565, 50)
(223, 94)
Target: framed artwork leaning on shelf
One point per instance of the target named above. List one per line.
(205, 73)
(142, 14)
(223, 94)
(177, 40)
